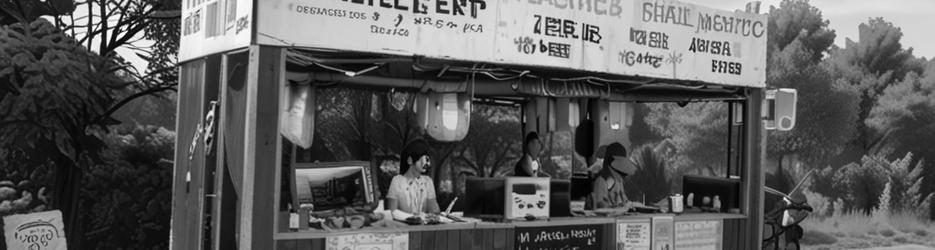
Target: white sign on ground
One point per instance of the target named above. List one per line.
(36, 231)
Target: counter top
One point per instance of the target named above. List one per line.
(557, 221)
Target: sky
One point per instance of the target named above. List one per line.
(916, 18)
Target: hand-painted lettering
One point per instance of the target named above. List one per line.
(631, 58)
(729, 24)
(725, 67)
(657, 40)
(447, 7)
(714, 47)
(564, 28)
(658, 12)
(612, 8)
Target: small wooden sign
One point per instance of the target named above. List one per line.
(633, 235)
(369, 241)
(582, 237)
(663, 238)
(36, 231)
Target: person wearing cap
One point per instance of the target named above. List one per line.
(608, 191)
(528, 165)
(412, 192)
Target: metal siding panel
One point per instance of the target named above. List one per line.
(466, 238)
(428, 240)
(441, 240)
(500, 239)
(454, 239)
(510, 237)
(415, 240)
(286, 245)
(304, 244)
(487, 240)
(318, 244)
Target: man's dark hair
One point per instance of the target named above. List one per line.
(414, 150)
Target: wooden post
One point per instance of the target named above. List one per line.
(261, 146)
(755, 153)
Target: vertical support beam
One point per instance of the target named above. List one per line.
(754, 154)
(261, 145)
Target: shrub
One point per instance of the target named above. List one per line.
(812, 237)
(821, 205)
(900, 240)
(126, 201)
(861, 184)
(650, 178)
(887, 233)
(922, 232)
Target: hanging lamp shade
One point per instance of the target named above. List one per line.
(297, 119)
(444, 116)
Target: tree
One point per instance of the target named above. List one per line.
(876, 61)
(904, 118)
(797, 20)
(86, 110)
(826, 110)
(128, 199)
(54, 92)
(698, 131)
(25, 11)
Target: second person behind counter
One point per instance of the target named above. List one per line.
(528, 165)
(411, 192)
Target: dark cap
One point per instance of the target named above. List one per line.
(615, 149)
(616, 158)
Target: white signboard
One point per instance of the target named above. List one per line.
(369, 241)
(457, 29)
(561, 34)
(653, 38)
(698, 235)
(212, 26)
(670, 39)
(36, 231)
(633, 235)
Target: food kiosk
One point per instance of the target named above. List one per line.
(255, 74)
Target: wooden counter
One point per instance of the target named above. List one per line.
(594, 232)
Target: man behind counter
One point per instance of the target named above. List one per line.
(608, 191)
(411, 192)
(528, 165)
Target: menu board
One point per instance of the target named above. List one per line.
(662, 233)
(582, 237)
(698, 235)
(633, 235)
(654, 38)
